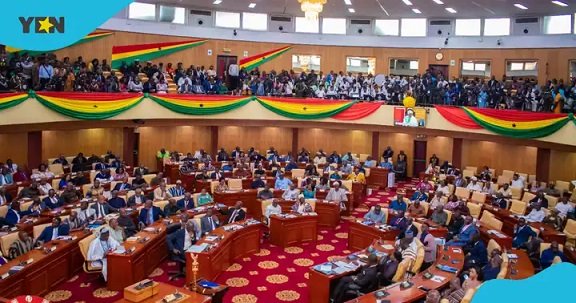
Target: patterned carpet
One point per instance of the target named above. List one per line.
(273, 275)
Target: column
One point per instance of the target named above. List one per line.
(543, 164)
(213, 140)
(376, 146)
(457, 153)
(295, 142)
(34, 149)
(129, 139)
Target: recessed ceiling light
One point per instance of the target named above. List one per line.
(217, 2)
(520, 6)
(348, 2)
(451, 10)
(351, 10)
(407, 2)
(438, 1)
(252, 5)
(416, 11)
(560, 3)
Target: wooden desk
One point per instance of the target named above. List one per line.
(504, 241)
(167, 289)
(27, 224)
(46, 271)
(361, 236)
(412, 294)
(520, 268)
(127, 269)
(570, 254)
(246, 184)
(378, 177)
(247, 196)
(328, 212)
(321, 194)
(233, 244)
(285, 232)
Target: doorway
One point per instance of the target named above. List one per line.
(222, 63)
(438, 70)
(419, 157)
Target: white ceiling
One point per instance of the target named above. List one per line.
(391, 8)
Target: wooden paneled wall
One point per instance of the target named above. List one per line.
(88, 141)
(499, 156)
(398, 142)
(441, 146)
(180, 138)
(341, 141)
(14, 146)
(552, 63)
(562, 166)
(261, 138)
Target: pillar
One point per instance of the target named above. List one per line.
(543, 164)
(457, 153)
(34, 149)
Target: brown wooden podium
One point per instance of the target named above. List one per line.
(285, 232)
(378, 177)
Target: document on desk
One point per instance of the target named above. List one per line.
(150, 229)
(197, 248)
(438, 279)
(132, 239)
(387, 246)
(211, 238)
(340, 270)
(512, 256)
(120, 250)
(341, 264)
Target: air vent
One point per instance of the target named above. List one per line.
(360, 22)
(201, 13)
(527, 20)
(440, 22)
(281, 19)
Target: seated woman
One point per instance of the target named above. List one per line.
(309, 192)
(222, 186)
(204, 198)
(120, 174)
(302, 206)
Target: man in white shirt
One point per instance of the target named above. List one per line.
(272, 209)
(474, 185)
(437, 200)
(564, 207)
(506, 191)
(517, 181)
(336, 194)
(536, 215)
(85, 214)
(443, 187)
(161, 193)
(44, 187)
(99, 249)
(291, 194)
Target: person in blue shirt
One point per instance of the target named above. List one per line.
(420, 196)
(309, 192)
(548, 255)
(466, 233)
(54, 231)
(335, 176)
(522, 233)
(149, 214)
(227, 167)
(375, 215)
(282, 183)
(387, 164)
(399, 203)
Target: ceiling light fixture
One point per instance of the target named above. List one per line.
(416, 11)
(252, 5)
(407, 2)
(451, 10)
(560, 3)
(520, 6)
(216, 2)
(351, 10)
(312, 8)
(348, 2)
(438, 1)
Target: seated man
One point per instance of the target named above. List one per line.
(364, 279)
(22, 245)
(522, 232)
(491, 270)
(139, 182)
(554, 220)
(75, 222)
(477, 253)
(398, 204)
(500, 201)
(338, 195)
(123, 186)
(161, 193)
(335, 176)
(99, 249)
(13, 215)
(375, 215)
(416, 209)
(437, 200)
(564, 207)
(103, 176)
(272, 209)
(455, 225)
(258, 182)
(137, 199)
(419, 195)
(178, 190)
(95, 190)
(126, 222)
(52, 201)
(357, 176)
(537, 214)
(466, 233)
(302, 206)
(44, 187)
(116, 202)
(539, 199)
(282, 183)
(423, 186)
(204, 198)
(399, 221)
(216, 175)
(266, 193)
(439, 216)
(474, 185)
(187, 202)
(30, 191)
(54, 231)
(517, 181)
(506, 191)
(408, 227)
(236, 213)
(149, 214)
(291, 194)
(171, 208)
(101, 208)
(551, 253)
(209, 222)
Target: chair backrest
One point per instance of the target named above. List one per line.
(56, 169)
(86, 188)
(451, 189)
(562, 186)
(148, 178)
(24, 206)
(508, 174)
(195, 198)
(475, 209)
(503, 180)
(213, 185)
(527, 197)
(523, 176)
(312, 203)
(426, 206)
(496, 224)
(6, 241)
(486, 217)
(298, 172)
(363, 157)
(570, 227)
(468, 173)
(448, 216)
(516, 192)
(55, 183)
(235, 184)
(161, 204)
(472, 168)
(552, 201)
(531, 178)
(545, 246)
(347, 184)
(38, 229)
(518, 207)
(479, 197)
(462, 193)
(84, 245)
(492, 244)
(367, 172)
(3, 211)
(264, 205)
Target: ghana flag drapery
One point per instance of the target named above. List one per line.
(11, 99)
(146, 52)
(92, 106)
(306, 108)
(516, 124)
(252, 62)
(88, 38)
(200, 105)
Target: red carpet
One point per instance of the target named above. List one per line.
(273, 275)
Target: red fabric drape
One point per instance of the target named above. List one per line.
(358, 111)
(200, 97)
(90, 96)
(457, 116)
(515, 115)
(305, 100)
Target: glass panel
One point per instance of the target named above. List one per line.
(530, 65)
(558, 24)
(304, 25)
(361, 65)
(334, 26)
(497, 27)
(403, 67)
(142, 11)
(305, 63)
(572, 69)
(468, 66)
(476, 69)
(387, 27)
(254, 21)
(516, 66)
(413, 27)
(227, 19)
(172, 14)
(521, 68)
(467, 27)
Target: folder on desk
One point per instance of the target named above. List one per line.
(198, 248)
(325, 268)
(447, 268)
(208, 284)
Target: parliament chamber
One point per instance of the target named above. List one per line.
(220, 151)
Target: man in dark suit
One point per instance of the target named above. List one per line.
(477, 255)
(258, 182)
(235, 214)
(13, 215)
(216, 175)
(101, 208)
(209, 222)
(362, 281)
(126, 222)
(186, 203)
(52, 201)
(180, 241)
(456, 223)
(137, 199)
(149, 214)
(124, 186)
(522, 232)
(141, 170)
(116, 202)
(139, 182)
(409, 226)
(539, 199)
(399, 221)
(54, 231)
(389, 266)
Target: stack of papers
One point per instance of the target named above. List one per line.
(512, 256)
(198, 248)
(132, 239)
(438, 279)
(211, 238)
(120, 250)
(387, 246)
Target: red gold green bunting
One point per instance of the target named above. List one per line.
(305, 109)
(11, 99)
(251, 63)
(457, 116)
(200, 105)
(92, 106)
(358, 111)
(518, 124)
(146, 52)
(88, 38)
